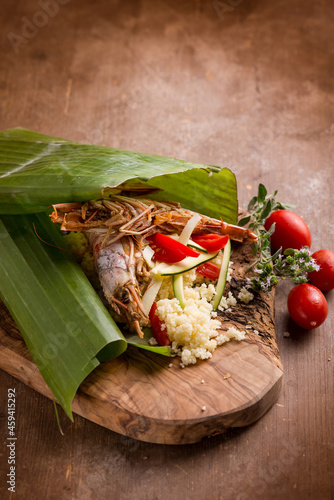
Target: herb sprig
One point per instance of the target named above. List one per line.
(292, 264)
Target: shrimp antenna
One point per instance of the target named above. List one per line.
(55, 246)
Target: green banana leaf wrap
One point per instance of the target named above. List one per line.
(64, 323)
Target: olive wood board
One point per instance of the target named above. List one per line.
(141, 396)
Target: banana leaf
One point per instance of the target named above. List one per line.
(37, 171)
(63, 321)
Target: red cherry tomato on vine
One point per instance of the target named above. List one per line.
(158, 327)
(307, 306)
(324, 278)
(290, 230)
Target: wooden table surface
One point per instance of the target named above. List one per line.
(244, 84)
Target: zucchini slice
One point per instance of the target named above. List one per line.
(179, 290)
(184, 265)
(196, 246)
(222, 275)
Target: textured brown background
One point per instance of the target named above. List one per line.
(243, 84)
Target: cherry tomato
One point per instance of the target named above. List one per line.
(169, 250)
(168, 256)
(211, 242)
(324, 278)
(290, 230)
(208, 270)
(158, 327)
(307, 306)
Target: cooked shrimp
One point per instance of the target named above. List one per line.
(116, 228)
(115, 265)
(120, 215)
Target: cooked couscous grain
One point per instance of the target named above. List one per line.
(245, 295)
(192, 330)
(227, 302)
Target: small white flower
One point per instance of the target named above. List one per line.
(248, 283)
(315, 266)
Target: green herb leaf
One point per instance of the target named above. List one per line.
(252, 203)
(276, 254)
(266, 210)
(284, 206)
(272, 229)
(244, 220)
(262, 193)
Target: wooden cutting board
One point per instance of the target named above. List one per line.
(139, 395)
